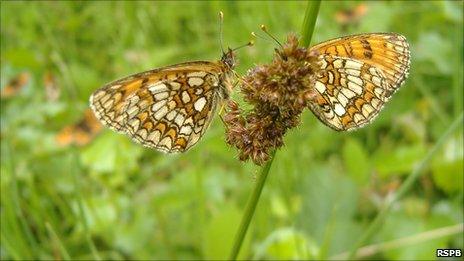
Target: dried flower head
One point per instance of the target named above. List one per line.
(279, 92)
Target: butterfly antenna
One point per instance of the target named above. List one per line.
(255, 35)
(221, 21)
(264, 29)
(250, 43)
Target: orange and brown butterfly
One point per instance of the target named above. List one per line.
(52, 90)
(15, 85)
(80, 133)
(169, 108)
(352, 16)
(359, 74)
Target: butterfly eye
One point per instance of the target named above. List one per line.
(325, 108)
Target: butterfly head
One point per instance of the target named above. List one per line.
(228, 58)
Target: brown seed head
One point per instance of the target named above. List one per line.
(279, 92)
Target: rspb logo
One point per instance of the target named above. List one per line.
(449, 252)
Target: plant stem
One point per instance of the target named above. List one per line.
(250, 208)
(371, 250)
(307, 31)
(309, 22)
(80, 205)
(374, 226)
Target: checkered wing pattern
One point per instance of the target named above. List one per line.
(359, 75)
(167, 109)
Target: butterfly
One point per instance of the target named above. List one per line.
(169, 108)
(80, 133)
(359, 74)
(15, 85)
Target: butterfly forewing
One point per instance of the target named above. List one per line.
(167, 109)
(359, 74)
(388, 52)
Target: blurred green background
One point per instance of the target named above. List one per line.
(66, 194)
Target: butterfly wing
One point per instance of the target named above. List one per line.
(388, 52)
(349, 93)
(167, 109)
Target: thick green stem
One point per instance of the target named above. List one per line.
(306, 33)
(309, 22)
(405, 187)
(250, 208)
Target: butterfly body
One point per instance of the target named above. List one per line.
(169, 108)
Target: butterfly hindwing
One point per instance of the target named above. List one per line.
(350, 93)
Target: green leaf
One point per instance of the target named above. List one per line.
(288, 244)
(447, 169)
(399, 161)
(220, 232)
(356, 161)
(111, 152)
(448, 175)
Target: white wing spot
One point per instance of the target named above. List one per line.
(353, 65)
(186, 129)
(185, 97)
(108, 104)
(172, 104)
(373, 71)
(353, 72)
(320, 87)
(143, 133)
(135, 123)
(157, 88)
(158, 105)
(133, 111)
(354, 87)
(189, 121)
(376, 80)
(200, 104)
(179, 120)
(358, 117)
(376, 103)
(161, 112)
(356, 80)
(154, 136)
(194, 81)
(97, 95)
(339, 110)
(331, 77)
(161, 95)
(367, 109)
(323, 63)
(175, 86)
(378, 92)
(338, 63)
(342, 99)
(170, 116)
(166, 142)
(197, 74)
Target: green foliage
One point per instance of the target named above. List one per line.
(113, 199)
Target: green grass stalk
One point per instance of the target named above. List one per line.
(80, 205)
(405, 187)
(57, 242)
(309, 22)
(250, 208)
(306, 34)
